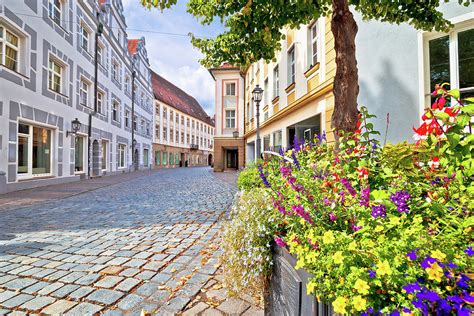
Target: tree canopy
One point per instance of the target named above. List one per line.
(253, 27)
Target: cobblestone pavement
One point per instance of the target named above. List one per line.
(147, 244)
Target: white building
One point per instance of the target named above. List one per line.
(47, 80)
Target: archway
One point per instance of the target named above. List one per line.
(95, 158)
(209, 160)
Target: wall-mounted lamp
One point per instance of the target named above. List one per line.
(75, 127)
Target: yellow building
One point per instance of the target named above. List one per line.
(297, 101)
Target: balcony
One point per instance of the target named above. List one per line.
(193, 146)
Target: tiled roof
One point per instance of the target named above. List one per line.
(133, 45)
(170, 94)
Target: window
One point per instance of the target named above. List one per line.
(79, 154)
(104, 155)
(165, 115)
(451, 59)
(187, 138)
(135, 123)
(158, 158)
(100, 102)
(230, 119)
(142, 98)
(177, 118)
(157, 132)
(182, 120)
(127, 83)
(127, 118)
(54, 11)
(100, 54)
(177, 137)
(187, 121)
(115, 111)
(266, 142)
(55, 76)
(265, 116)
(276, 82)
(291, 65)
(84, 93)
(165, 134)
(147, 129)
(176, 159)
(84, 38)
(230, 88)
(171, 159)
(182, 137)
(171, 135)
(115, 71)
(266, 92)
(165, 158)
(277, 140)
(122, 149)
(142, 126)
(145, 157)
(34, 151)
(9, 49)
(192, 124)
(313, 44)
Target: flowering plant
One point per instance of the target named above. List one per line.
(384, 229)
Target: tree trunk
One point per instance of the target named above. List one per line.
(346, 85)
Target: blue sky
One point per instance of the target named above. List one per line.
(173, 57)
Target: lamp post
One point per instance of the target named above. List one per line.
(75, 127)
(257, 97)
(104, 8)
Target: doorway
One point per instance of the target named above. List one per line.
(209, 160)
(96, 158)
(232, 159)
(135, 160)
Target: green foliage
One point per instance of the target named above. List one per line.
(247, 257)
(248, 178)
(253, 28)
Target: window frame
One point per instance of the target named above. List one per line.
(53, 6)
(276, 81)
(61, 74)
(84, 28)
(122, 150)
(230, 119)
(291, 62)
(6, 44)
(312, 40)
(84, 153)
(115, 112)
(104, 144)
(84, 83)
(230, 84)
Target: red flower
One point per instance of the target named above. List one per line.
(363, 172)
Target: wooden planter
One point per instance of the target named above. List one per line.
(287, 291)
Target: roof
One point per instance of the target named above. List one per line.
(133, 45)
(170, 94)
(223, 66)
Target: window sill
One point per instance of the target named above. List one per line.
(63, 95)
(14, 71)
(311, 70)
(275, 100)
(36, 178)
(290, 88)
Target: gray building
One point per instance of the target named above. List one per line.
(399, 66)
(47, 81)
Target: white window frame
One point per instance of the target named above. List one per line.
(311, 41)
(4, 44)
(122, 153)
(291, 61)
(229, 119)
(462, 23)
(127, 83)
(230, 85)
(84, 153)
(117, 118)
(52, 9)
(116, 72)
(127, 118)
(84, 87)
(100, 101)
(106, 142)
(276, 81)
(83, 39)
(61, 74)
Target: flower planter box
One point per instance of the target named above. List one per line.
(287, 291)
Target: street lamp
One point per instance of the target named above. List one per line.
(235, 134)
(75, 127)
(257, 97)
(103, 11)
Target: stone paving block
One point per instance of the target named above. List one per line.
(125, 253)
(72, 276)
(183, 259)
(35, 287)
(4, 311)
(38, 303)
(6, 295)
(135, 263)
(213, 312)
(65, 291)
(113, 270)
(196, 309)
(58, 308)
(176, 304)
(41, 273)
(18, 313)
(143, 255)
(108, 282)
(146, 289)
(19, 270)
(154, 265)
(253, 311)
(40, 263)
(9, 267)
(88, 279)
(7, 278)
(114, 312)
(161, 278)
(50, 288)
(118, 261)
(84, 309)
(53, 264)
(17, 300)
(173, 268)
(233, 305)
(19, 284)
(56, 275)
(145, 275)
(81, 292)
(130, 272)
(127, 284)
(159, 296)
(199, 278)
(107, 297)
(67, 266)
(130, 301)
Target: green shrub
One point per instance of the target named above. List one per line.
(249, 178)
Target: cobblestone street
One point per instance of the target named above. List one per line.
(149, 243)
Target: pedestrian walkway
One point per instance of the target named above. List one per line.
(150, 244)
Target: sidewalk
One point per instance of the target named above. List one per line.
(59, 191)
(229, 177)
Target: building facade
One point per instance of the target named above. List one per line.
(398, 68)
(183, 132)
(229, 139)
(47, 81)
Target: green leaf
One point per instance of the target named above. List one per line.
(468, 109)
(442, 115)
(453, 139)
(455, 93)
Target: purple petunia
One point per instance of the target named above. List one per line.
(280, 242)
(263, 176)
(332, 217)
(295, 160)
(372, 274)
(428, 295)
(452, 265)
(463, 282)
(412, 287)
(299, 209)
(379, 211)
(427, 262)
(469, 251)
(412, 255)
(400, 199)
(285, 171)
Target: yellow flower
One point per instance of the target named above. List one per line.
(341, 281)
(338, 257)
(438, 255)
(361, 286)
(352, 246)
(435, 272)
(379, 228)
(394, 221)
(359, 303)
(328, 237)
(383, 268)
(310, 287)
(340, 305)
(370, 244)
